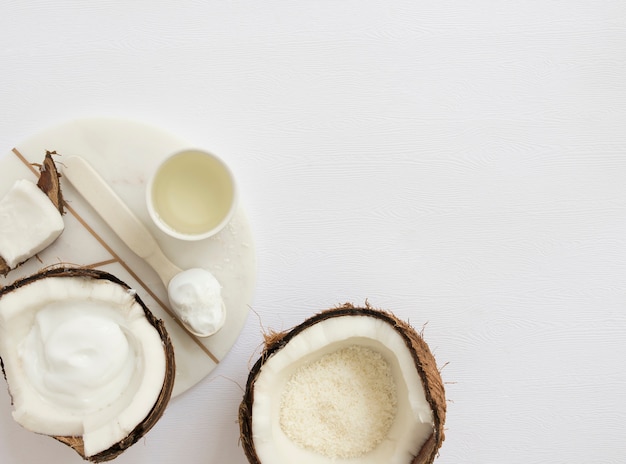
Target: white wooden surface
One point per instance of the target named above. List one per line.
(460, 163)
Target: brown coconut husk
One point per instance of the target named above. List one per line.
(4, 267)
(425, 365)
(49, 184)
(76, 442)
(49, 181)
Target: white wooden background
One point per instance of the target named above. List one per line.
(460, 163)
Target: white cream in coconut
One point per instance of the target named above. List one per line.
(29, 222)
(280, 399)
(195, 296)
(80, 358)
(78, 355)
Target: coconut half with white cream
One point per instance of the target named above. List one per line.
(347, 385)
(85, 360)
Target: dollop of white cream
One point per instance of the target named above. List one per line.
(77, 358)
(195, 296)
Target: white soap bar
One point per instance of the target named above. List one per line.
(29, 222)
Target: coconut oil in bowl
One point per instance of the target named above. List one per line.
(192, 195)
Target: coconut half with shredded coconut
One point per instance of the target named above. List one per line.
(347, 385)
(85, 360)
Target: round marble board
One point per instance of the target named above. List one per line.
(125, 153)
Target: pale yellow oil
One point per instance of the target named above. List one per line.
(192, 193)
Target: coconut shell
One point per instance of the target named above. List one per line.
(76, 442)
(49, 181)
(49, 184)
(4, 267)
(424, 360)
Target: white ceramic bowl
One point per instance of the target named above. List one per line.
(191, 195)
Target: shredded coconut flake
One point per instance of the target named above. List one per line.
(342, 405)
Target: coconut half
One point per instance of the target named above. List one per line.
(347, 385)
(85, 361)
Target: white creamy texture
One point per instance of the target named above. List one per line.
(77, 355)
(29, 222)
(195, 296)
(49, 395)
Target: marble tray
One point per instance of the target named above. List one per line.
(125, 153)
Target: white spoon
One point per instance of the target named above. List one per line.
(186, 289)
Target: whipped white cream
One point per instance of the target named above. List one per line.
(77, 355)
(195, 296)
